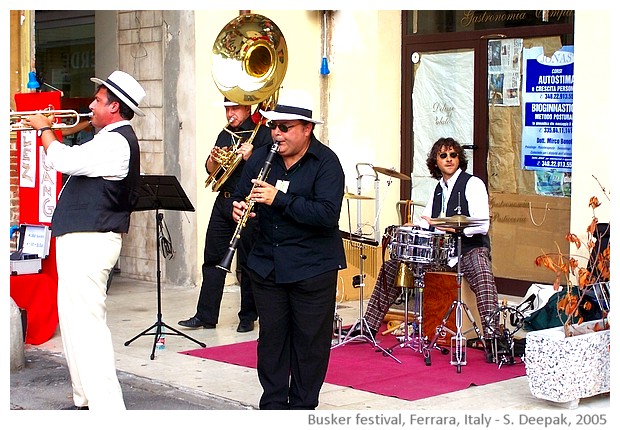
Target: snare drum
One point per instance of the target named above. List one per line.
(411, 244)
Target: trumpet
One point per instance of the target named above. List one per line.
(234, 242)
(67, 118)
(228, 160)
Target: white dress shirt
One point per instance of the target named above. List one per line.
(477, 200)
(105, 155)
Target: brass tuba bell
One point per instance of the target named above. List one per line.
(248, 64)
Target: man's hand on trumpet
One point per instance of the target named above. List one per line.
(38, 121)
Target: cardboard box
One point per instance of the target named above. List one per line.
(524, 227)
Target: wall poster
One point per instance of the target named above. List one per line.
(547, 110)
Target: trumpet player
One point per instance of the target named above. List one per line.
(92, 213)
(221, 227)
(296, 255)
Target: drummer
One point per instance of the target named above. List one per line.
(457, 193)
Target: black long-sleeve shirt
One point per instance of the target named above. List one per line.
(299, 236)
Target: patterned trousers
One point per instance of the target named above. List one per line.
(476, 268)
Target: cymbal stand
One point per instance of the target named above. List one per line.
(458, 343)
(364, 329)
(359, 202)
(416, 341)
(337, 325)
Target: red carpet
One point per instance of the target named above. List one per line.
(358, 366)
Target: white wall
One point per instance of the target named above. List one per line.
(594, 140)
(363, 93)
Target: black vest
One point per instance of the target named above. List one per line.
(96, 204)
(457, 197)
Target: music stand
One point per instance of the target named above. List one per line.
(161, 192)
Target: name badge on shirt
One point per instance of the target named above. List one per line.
(282, 185)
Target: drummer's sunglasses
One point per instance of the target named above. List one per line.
(444, 155)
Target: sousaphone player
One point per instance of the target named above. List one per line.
(236, 44)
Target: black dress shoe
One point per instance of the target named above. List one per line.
(76, 408)
(194, 322)
(245, 326)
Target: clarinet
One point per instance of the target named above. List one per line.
(234, 241)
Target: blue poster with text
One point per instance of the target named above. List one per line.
(547, 110)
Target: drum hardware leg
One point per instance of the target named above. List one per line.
(502, 344)
(416, 340)
(412, 331)
(337, 328)
(458, 344)
(364, 329)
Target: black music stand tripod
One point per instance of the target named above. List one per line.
(161, 192)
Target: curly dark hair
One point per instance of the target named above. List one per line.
(444, 144)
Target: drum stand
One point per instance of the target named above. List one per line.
(337, 328)
(364, 330)
(406, 278)
(458, 342)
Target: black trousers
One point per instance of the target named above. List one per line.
(219, 232)
(296, 322)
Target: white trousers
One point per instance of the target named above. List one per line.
(84, 262)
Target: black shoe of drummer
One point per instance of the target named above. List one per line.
(488, 351)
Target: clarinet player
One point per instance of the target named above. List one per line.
(295, 259)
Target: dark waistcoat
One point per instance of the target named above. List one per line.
(96, 204)
(457, 198)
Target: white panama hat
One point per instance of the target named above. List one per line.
(292, 104)
(229, 103)
(126, 88)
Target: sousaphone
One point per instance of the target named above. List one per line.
(248, 64)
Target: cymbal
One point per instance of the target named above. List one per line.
(456, 221)
(391, 172)
(357, 197)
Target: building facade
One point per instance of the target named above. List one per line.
(370, 100)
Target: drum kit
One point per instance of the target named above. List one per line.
(416, 250)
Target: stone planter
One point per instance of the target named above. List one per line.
(566, 369)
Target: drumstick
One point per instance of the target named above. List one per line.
(393, 329)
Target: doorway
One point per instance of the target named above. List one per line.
(452, 84)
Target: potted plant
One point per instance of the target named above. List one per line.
(571, 362)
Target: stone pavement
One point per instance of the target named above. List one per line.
(44, 384)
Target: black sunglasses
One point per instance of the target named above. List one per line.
(444, 155)
(283, 127)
